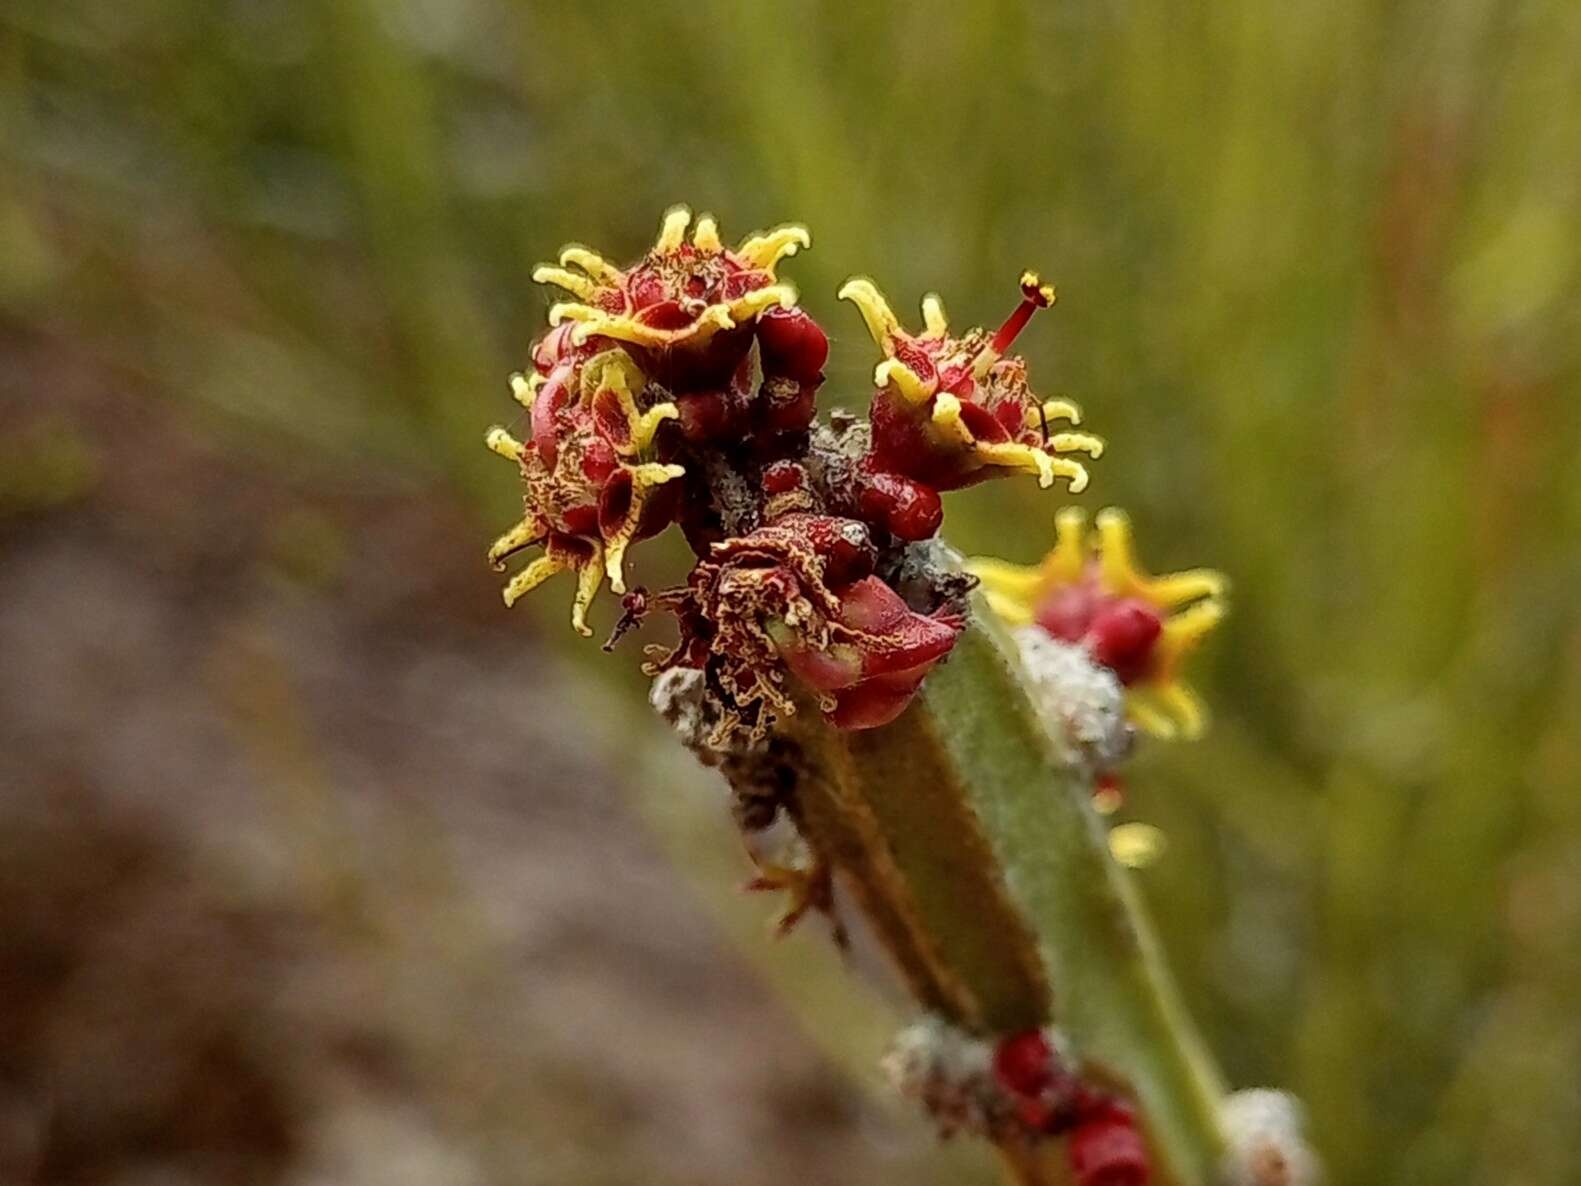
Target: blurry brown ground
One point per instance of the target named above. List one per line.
(310, 872)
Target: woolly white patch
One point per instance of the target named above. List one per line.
(949, 1073)
(1264, 1141)
(1082, 704)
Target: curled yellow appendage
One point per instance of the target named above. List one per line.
(648, 424)
(1066, 559)
(591, 262)
(767, 249)
(705, 235)
(1053, 409)
(1074, 473)
(529, 578)
(573, 283)
(588, 578)
(893, 372)
(1028, 459)
(643, 479)
(524, 388)
(524, 534)
(613, 370)
(501, 442)
(672, 232)
(946, 418)
(1077, 442)
(935, 323)
(1136, 845)
(876, 313)
(572, 311)
(753, 303)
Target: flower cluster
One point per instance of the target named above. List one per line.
(1019, 1086)
(681, 390)
(1090, 592)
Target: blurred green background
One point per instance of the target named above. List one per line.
(315, 865)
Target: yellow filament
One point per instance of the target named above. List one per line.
(876, 313)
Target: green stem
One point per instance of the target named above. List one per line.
(972, 846)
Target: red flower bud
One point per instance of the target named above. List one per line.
(1121, 637)
(1106, 1149)
(1024, 1063)
(793, 345)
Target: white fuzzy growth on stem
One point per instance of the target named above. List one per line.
(1082, 704)
(1264, 1145)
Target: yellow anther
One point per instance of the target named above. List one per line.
(947, 422)
(588, 578)
(705, 235)
(1074, 473)
(573, 311)
(876, 313)
(529, 531)
(672, 232)
(1136, 845)
(1053, 409)
(745, 307)
(594, 264)
(1027, 459)
(529, 578)
(767, 249)
(648, 424)
(1077, 442)
(524, 388)
(893, 372)
(501, 442)
(572, 282)
(935, 323)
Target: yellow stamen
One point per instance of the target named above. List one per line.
(947, 420)
(501, 442)
(648, 424)
(529, 531)
(1077, 442)
(746, 307)
(572, 311)
(588, 578)
(765, 250)
(524, 389)
(643, 479)
(876, 313)
(529, 578)
(594, 264)
(935, 323)
(572, 282)
(672, 232)
(705, 235)
(912, 388)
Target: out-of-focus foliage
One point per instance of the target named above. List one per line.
(1320, 276)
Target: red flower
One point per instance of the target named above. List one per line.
(798, 595)
(592, 487)
(950, 412)
(687, 310)
(1090, 590)
(1106, 1149)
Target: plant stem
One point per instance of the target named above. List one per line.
(973, 848)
